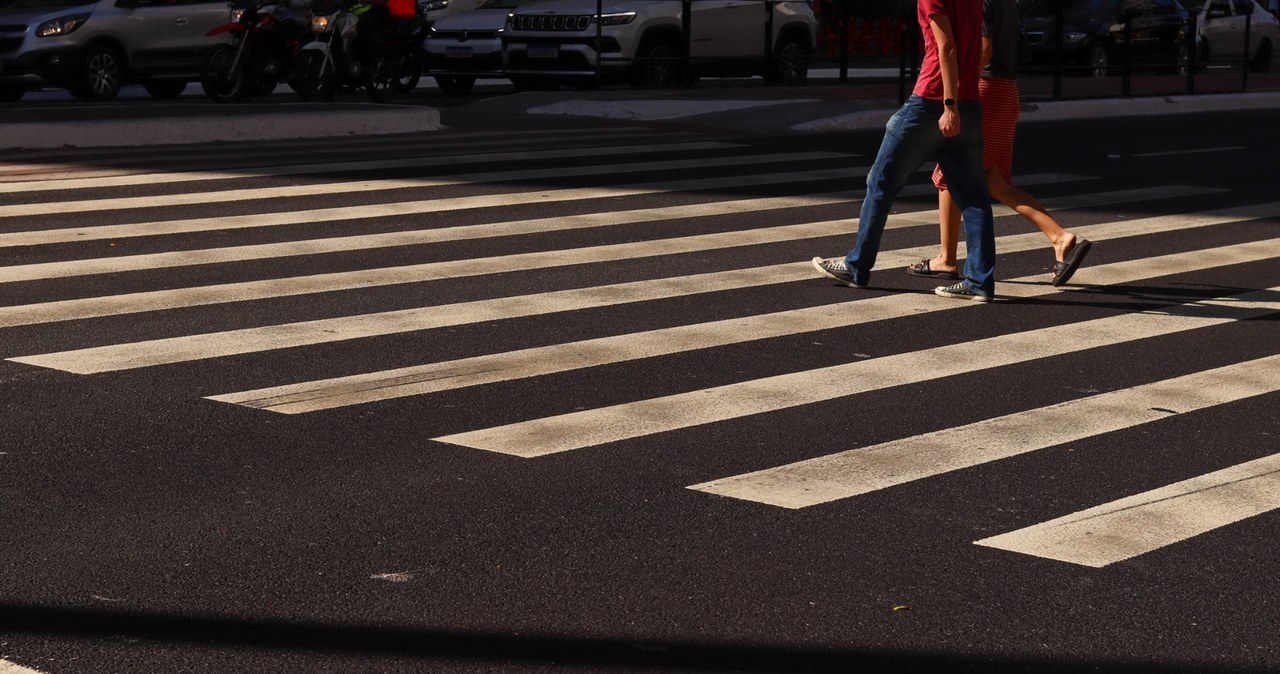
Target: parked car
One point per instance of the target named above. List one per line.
(563, 40)
(467, 46)
(93, 47)
(1093, 34)
(1220, 28)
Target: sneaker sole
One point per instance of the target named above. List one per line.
(817, 264)
(966, 296)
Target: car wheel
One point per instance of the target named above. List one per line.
(10, 93)
(220, 81)
(790, 63)
(100, 75)
(658, 64)
(165, 89)
(455, 85)
(1099, 61)
(1261, 62)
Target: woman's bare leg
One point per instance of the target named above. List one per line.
(948, 233)
(1026, 205)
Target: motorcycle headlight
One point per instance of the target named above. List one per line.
(237, 14)
(63, 25)
(319, 23)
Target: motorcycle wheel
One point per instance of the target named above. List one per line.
(381, 86)
(410, 75)
(219, 80)
(314, 79)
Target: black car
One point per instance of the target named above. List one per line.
(1093, 34)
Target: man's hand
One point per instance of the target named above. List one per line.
(949, 122)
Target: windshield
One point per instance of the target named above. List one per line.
(42, 4)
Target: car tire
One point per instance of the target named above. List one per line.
(165, 89)
(455, 85)
(100, 75)
(790, 63)
(11, 93)
(1261, 61)
(658, 64)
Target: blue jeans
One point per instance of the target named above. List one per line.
(911, 138)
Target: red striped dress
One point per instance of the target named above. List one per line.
(1000, 105)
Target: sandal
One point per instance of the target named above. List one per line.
(921, 268)
(1063, 271)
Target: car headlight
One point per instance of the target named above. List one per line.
(237, 14)
(1074, 38)
(63, 25)
(616, 19)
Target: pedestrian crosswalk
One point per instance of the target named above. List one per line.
(690, 219)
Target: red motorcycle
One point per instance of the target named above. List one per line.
(262, 54)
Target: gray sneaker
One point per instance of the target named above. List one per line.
(834, 267)
(962, 291)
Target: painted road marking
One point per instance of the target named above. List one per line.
(860, 471)
(589, 428)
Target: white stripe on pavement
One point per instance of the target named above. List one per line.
(346, 167)
(241, 194)
(540, 437)
(7, 667)
(435, 377)
(128, 263)
(404, 209)
(860, 471)
(248, 340)
(1145, 522)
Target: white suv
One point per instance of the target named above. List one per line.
(566, 40)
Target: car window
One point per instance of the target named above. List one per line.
(41, 4)
(1243, 6)
(1219, 8)
(1045, 7)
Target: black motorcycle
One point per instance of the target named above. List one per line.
(262, 54)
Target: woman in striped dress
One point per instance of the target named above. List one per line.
(998, 91)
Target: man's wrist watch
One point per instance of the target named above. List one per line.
(949, 102)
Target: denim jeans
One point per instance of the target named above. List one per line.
(911, 138)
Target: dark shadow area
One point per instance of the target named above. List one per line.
(428, 643)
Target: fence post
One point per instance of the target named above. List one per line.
(599, 37)
(1128, 55)
(1244, 65)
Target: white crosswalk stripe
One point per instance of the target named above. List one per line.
(1095, 535)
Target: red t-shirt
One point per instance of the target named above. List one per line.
(966, 25)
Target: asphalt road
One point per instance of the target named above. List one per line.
(533, 392)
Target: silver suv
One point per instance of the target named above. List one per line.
(94, 47)
(559, 40)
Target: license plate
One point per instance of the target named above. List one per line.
(543, 51)
(457, 52)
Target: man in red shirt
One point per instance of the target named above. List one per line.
(941, 121)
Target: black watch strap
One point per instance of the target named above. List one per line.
(949, 102)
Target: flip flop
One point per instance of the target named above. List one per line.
(921, 268)
(1063, 271)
